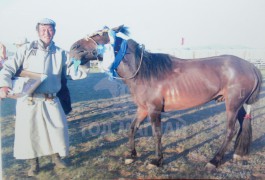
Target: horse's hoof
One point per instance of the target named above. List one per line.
(154, 163)
(129, 161)
(210, 167)
(237, 157)
(151, 166)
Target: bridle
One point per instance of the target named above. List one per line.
(89, 37)
(95, 51)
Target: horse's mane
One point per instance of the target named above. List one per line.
(153, 66)
(125, 30)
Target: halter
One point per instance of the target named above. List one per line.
(90, 38)
(99, 49)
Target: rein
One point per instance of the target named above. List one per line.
(131, 77)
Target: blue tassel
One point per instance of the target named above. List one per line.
(76, 64)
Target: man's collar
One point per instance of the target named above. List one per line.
(51, 46)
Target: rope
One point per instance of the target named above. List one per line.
(127, 78)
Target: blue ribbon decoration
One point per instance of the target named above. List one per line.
(76, 64)
(112, 36)
(118, 58)
(100, 49)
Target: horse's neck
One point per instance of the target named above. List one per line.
(124, 70)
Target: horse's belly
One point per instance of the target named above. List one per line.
(184, 103)
(179, 92)
(179, 97)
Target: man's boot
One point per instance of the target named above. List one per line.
(56, 159)
(34, 167)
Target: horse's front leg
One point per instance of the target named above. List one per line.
(140, 117)
(157, 133)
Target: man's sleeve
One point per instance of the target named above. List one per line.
(11, 67)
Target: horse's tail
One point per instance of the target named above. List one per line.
(255, 94)
(244, 136)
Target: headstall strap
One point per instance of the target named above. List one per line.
(90, 38)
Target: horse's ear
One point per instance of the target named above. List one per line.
(118, 29)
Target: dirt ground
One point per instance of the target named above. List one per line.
(98, 126)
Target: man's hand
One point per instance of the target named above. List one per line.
(3, 92)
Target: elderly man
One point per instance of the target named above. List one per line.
(41, 125)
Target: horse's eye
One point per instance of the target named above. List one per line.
(76, 46)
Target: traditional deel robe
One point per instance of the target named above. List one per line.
(41, 127)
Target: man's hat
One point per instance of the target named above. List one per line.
(46, 21)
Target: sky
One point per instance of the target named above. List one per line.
(157, 24)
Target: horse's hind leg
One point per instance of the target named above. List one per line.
(232, 111)
(244, 136)
(140, 116)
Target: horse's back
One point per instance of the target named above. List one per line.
(195, 82)
(229, 67)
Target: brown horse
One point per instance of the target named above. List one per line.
(161, 82)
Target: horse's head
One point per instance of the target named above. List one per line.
(91, 47)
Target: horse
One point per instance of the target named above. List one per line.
(160, 82)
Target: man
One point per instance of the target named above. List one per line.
(63, 94)
(3, 56)
(41, 125)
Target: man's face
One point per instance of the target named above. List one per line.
(46, 33)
